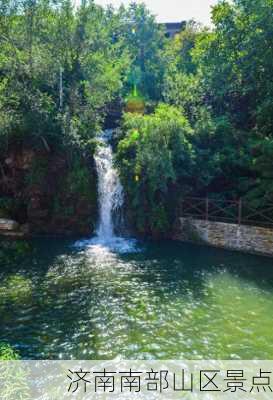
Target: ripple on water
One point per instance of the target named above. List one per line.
(101, 247)
(94, 302)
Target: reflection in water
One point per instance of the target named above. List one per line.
(169, 301)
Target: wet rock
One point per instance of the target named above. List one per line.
(8, 225)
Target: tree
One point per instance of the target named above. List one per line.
(38, 39)
(145, 41)
(182, 82)
(154, 159)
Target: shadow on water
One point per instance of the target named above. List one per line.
(170, 300)
(185, 261)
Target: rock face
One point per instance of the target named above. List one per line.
(12, 229)
(47, 192)
(8, 225)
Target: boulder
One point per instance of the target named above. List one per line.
(8, 225)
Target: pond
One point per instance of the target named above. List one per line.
(167, 301)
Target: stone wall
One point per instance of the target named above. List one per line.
(251, 239)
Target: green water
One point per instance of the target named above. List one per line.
(169, 301)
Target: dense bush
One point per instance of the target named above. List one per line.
(154, 158)
(236, 63)
(7, 353)
(220, 80)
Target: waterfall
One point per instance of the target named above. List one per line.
(110, 200)
(110, 191)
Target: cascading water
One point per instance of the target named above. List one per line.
(110, 199)
(109, 189)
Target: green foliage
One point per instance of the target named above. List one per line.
(144, 40)
(222, 157)
(261, 192)
(182, 86)
(47, 47)
(221, 80)
(236, 63)
(7, 353)
(153, 157)
(61, 67)
(78, 179)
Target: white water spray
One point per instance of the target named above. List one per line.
(110, 190)
(110, 199)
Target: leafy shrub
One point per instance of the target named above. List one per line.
(7, 353)
(153, 157)
(78, 179)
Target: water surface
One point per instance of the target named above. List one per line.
(169, 301)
